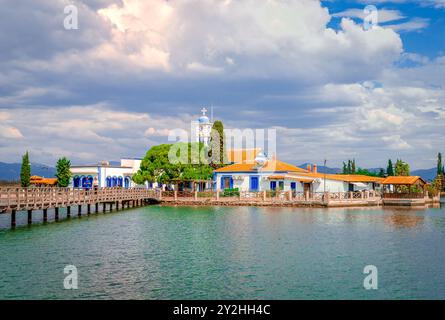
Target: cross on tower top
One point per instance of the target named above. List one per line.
(203, 110)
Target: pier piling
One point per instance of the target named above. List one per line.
(13, 222)
(68, 212)
(97, 207)
(29, 217)
(88, 209)
(45, 215)
(79, 210)
(56, 214)
(104, 207)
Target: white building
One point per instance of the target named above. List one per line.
(105, 175)
(270, 174)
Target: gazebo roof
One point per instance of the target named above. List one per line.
(403, 180)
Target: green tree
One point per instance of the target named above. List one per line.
(63, 172)
(25, 171)
(349, 167)
(402, 168)
(353, 168)
(390, 168)
(158, 167)
(345, 168)
(440, 168)
(382, 173)
(217, 159)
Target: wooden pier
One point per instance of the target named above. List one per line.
(13, 200)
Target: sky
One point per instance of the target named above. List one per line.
(135, 69)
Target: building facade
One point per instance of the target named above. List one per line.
(270, 174)
(105, 175)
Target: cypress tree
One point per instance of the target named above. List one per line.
(390, 168)
(217, 143)
(25, 171)
(63, 172)
(439, 164)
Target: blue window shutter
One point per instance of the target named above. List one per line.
(222, 183)
(293, 186)
(273, 185)
(231, 183)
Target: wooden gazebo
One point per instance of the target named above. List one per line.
(405, 185)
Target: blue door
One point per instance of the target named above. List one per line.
(273, 185)
(254, 183)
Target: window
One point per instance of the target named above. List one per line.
(281, 185)
(293, 186)
(273, 185)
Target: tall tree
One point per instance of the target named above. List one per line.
(439, 164)
(63, 172)
(218, 158)
(382, 173)
(349, 166)
(402, 168)
(390, 168)
(345, 168)
(25, 171)
(353, 168)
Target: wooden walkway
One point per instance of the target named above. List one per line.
(29, 199)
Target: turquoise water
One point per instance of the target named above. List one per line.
(228, 253)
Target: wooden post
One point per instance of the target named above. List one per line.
(217, 194)
(306, 195)
(29, 216)
(176, 195)
(104, 207)
(289, 193)
(13, 219)
(97, 207)
(56, 213)
(68, 212)
(88, 208)
(160, 194)
(45, 215)
(264, 195)
(196, 195)
(79, 210)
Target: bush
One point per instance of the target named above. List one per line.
(231, 192)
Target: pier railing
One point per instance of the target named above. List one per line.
(274, 196)
(43, 198)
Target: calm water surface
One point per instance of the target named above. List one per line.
(228, 253)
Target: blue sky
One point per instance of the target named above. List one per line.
(136, 69)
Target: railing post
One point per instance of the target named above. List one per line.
(176, 195)
(196, 195)
(264, 196)
(351, 195)
(217, 194)
(306, 195)
(289, 195)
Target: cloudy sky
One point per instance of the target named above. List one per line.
(134, 69)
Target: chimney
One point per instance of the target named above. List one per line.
(314, 168)
(308, 167)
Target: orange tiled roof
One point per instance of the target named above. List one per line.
(41, 180)
(344, 177)
(242, 155)
(403, 180)
(270, 166)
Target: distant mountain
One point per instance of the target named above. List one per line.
(323, 169)
(426, 174)
(11, 171)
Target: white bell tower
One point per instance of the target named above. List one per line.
(203, 128)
